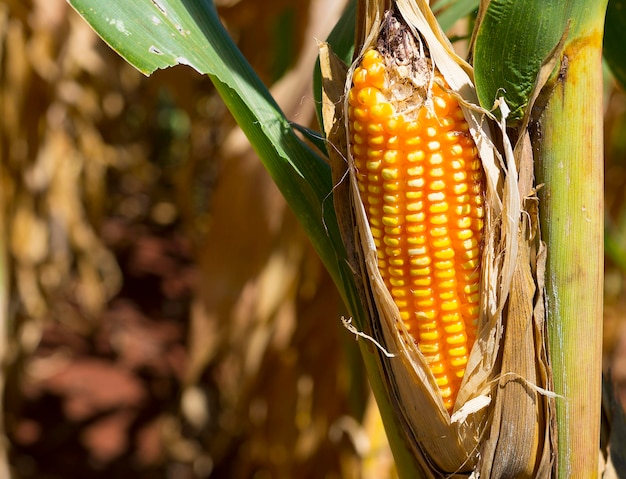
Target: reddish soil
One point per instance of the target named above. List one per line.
(92, 400)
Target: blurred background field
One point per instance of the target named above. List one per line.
(164, 316)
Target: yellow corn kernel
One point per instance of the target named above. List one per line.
(427, 189)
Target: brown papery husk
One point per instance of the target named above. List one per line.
(502, 386)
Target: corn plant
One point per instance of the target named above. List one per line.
(457, 206)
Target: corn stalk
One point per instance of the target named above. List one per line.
(570, 167)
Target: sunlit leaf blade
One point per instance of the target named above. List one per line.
(615, 39)
(513, 40)
(153, 34)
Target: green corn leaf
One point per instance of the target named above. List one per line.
(512, 42)
(153, 34)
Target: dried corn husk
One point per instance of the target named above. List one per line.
(500, 424)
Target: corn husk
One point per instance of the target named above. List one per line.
(499, 426)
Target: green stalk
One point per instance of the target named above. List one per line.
(570, 167)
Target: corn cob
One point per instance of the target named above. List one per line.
(420, 180)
